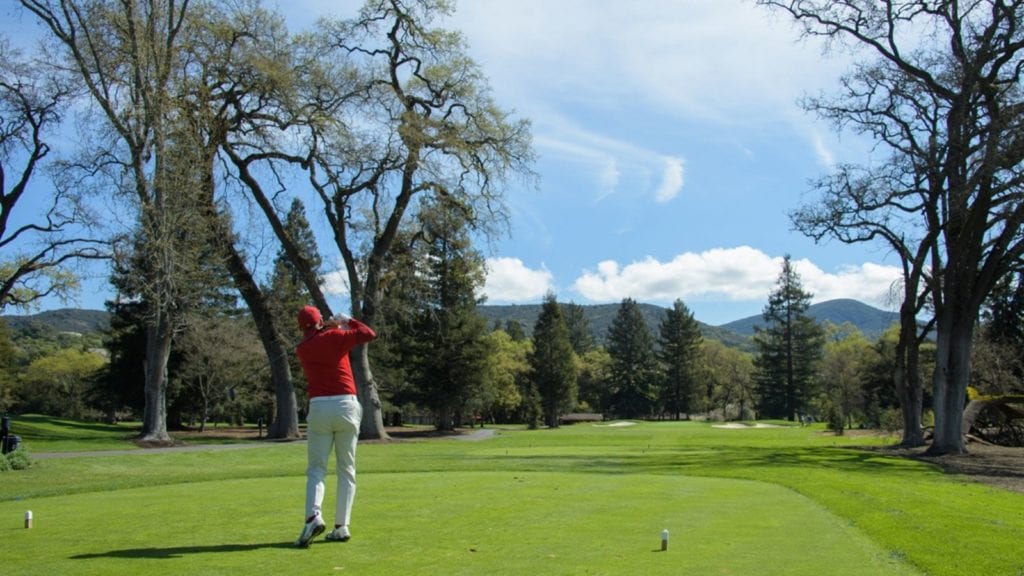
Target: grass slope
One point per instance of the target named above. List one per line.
(578, 500)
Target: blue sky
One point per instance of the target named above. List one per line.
(670, 151)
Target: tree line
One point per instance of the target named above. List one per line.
(206, 126)
(445, 365)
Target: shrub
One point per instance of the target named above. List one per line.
(892, 420)
(17, 460)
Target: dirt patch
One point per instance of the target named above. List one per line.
(220, 433)
(998, 466)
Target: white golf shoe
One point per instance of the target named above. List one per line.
(313, 528)
(339, 534)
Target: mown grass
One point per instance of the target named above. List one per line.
(46, 434)
(577, 500)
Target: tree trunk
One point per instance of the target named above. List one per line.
(952, 372)
(158, 350)
(372, 427)
(285, 423)
(907, 378)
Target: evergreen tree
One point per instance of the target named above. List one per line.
(579, 328)
(553, 362)
(394, 354)
(1004, 313)
(287, 291)
(121, 384)
(634, 365)
(451, 349)
(679, 345)
(515, 330)
(789, 348)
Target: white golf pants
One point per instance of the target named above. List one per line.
(333, 422)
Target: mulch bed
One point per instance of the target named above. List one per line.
(999, 466)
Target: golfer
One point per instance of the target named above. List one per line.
(334, 415)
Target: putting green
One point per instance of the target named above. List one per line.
(445, 523)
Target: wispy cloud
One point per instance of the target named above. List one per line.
(608, 160)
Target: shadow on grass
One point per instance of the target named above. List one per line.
(39, 427)
(179, 551)
(728, 461)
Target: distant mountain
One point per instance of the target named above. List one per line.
(871, 321)
(63, 320)
(600, 318)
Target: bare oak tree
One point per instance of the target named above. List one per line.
(942, 95)
(36, 247)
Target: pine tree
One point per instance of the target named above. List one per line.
(579, 328)
(679, 345)
(634, 365)
(789, 348)
(515, 330)
(287, 291)
(553, 362)
(450, 347)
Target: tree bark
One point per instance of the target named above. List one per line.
(907, 376)
(952, 373)
(286, 417)
(158, 351)
(372, 426)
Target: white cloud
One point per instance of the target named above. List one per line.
(730, 274)
(672, 180)
(869, 282)
(509, 280)
(335, 283)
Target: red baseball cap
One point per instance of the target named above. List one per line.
(309, 317)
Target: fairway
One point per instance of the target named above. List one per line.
(578, 500)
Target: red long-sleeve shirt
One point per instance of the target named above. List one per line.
(324, 358)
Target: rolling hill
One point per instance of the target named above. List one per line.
(869, 320)
(63, 320)
(600, 317)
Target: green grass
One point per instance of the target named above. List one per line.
(577, 500)
(46, 434)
